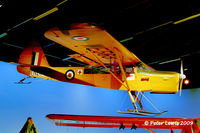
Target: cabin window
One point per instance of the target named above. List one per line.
(129, 69)
(141, 67)
(101, 70)
(96, 70)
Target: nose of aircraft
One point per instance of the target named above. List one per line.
(182, 76)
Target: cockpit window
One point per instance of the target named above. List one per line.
(143, 67)
(96, 70)
(129, 69)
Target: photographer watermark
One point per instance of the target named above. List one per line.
(168, 123)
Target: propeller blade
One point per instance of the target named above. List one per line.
(181, 67)
(182, 77)
(180, 86)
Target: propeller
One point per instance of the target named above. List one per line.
(182, 77)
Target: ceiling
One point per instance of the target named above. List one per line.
(151, 29)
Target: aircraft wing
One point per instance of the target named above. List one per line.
(89, 40)
(122, 122)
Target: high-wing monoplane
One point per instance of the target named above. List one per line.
(109, 65)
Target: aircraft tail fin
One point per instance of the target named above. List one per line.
(31, 56)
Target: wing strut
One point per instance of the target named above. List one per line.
(126, 85)
(124, 75)
(124, 78)
(131, 93)
(100, 62)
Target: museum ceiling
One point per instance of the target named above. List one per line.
(155, 30)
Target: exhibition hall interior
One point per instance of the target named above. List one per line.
(157, 35)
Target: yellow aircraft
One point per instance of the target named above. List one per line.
(110, 65)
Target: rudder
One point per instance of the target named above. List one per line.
(31, 56)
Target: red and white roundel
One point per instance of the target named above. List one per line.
(80, 38)
(69, 75)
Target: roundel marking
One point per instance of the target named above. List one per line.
(80, 38)
(69, 75)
